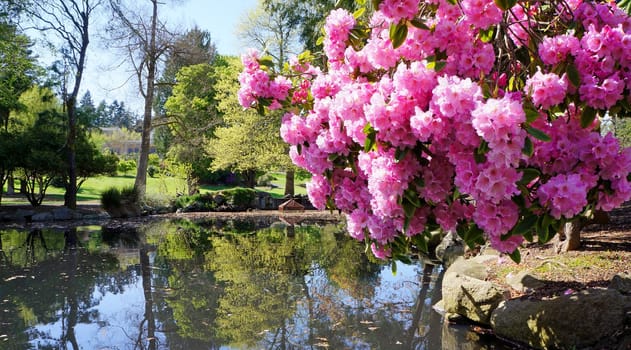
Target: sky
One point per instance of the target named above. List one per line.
(107, 81)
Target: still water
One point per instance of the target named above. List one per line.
(179, 284)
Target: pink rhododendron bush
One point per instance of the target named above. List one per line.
(479, 117)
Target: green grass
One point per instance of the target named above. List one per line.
(92, 188)
(169, 187)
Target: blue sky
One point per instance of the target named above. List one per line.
(106, 81)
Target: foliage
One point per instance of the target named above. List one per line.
(236, 199)
(193, 115)
(152, 170)
(467, 116)
(113, 198)
(19, 69)
(245, 143)
(125, 166)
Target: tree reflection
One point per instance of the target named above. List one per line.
(201, 286)
(48, 280)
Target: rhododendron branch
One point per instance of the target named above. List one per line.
(476, 117)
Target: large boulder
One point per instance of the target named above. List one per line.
(450, 248)
(622, 283)
(569, 321)
(465, 292)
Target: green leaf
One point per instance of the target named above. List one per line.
(529, 174)
(376, 3)
(471, 235)
(528, 224)
(515, 256)
(543, 228)
(266, 61)
(453, 2)
(486, 35)
(412, 197)
(588, 116)
(393, 266)
(436, 65)
(420, 242)
(398, 33)
(419, 23)
(403, 258)
(531, 115)
(505, 4)
(400, 154)
(538, 134)
(528, 149)
(572, 75)
(359, 12)
(371, 138)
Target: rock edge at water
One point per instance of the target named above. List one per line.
(577, 320)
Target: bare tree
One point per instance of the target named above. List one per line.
(144, 40)
(69, 20)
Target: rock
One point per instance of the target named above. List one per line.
(24, 215)
(466, 293)
(523, 281)
(621, 282)
(569, 321)
(63, 213)
(470, 297)
(449, 249)
(467, 267)
(43, 216)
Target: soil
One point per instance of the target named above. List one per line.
(605, 251)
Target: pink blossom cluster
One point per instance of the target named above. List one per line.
(256, 84)
(430, 135)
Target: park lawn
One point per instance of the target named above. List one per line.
(157, 187)
(90, 191)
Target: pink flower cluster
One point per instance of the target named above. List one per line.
(430, 134)
(256, 84)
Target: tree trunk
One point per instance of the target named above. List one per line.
(70, 197)
(140, 185)
(289, 183)
(145, 267)
(11, 184)
(570, 238)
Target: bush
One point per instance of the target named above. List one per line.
(111, 198)
(196, 202)
(120, 203)
(152, 170)
(235, 199)
(240, 197)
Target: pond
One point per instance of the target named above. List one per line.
(180, 284)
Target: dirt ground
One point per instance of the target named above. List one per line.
(605, 251)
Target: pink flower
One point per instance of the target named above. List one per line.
(547, 90)
(318, 189)
(399, 9)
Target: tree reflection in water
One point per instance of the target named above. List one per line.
(210, 285)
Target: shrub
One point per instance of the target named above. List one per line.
(111, 198)
(121, 203)
(240, 197)
(152, 170)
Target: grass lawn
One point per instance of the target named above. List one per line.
(157, 187)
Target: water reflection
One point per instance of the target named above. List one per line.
(212, 285)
